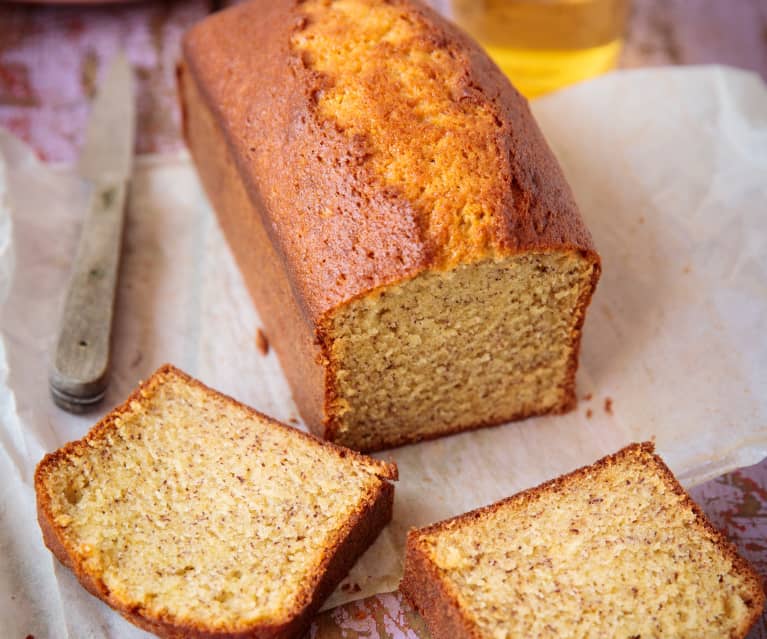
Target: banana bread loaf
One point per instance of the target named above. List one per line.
(616, 549)
(408, 237)
(195, 516)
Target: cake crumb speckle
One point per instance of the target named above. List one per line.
(589, 413)
(262, 342)
(608, 405)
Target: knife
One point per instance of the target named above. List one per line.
(79, 371)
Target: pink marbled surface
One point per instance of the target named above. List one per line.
(51, 59)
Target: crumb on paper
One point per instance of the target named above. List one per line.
(88, 74)
(293, 420)
(262, 342)
(608, 405)
(587, 397)
(641, 219)
(687, 269)
(589, 413)
(351, 586)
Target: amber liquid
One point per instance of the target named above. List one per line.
(543, 45)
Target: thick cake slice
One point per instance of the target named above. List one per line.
(195, 516)
(617, 549)
(410, 241)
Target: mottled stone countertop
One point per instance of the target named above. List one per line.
(51, 57)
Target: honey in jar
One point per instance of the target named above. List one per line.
(543, 45)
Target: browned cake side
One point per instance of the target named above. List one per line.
(245, 224)
(615, 549)
(180, 508)
(366, 156)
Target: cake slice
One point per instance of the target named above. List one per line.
(617, 549)
(195, 516)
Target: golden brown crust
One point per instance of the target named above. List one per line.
(353, 539)
(428, 591)
(302, 166)
(299, 165)
(274, 168)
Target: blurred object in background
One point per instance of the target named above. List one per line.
(543, 45)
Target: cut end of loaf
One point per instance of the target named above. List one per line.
(187, 509)
(616, 549)
(481, 344)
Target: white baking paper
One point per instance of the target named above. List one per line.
(670, 170)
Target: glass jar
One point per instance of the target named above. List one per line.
(543, 45)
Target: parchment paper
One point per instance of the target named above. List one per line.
(670, 170)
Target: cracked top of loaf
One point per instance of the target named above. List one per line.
(381, 141)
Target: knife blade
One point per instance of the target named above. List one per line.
(80, 367)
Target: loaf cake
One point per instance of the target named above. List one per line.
(409, 239)
(617, 549)
(195, 516)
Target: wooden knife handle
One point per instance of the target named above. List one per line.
(80, 368)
